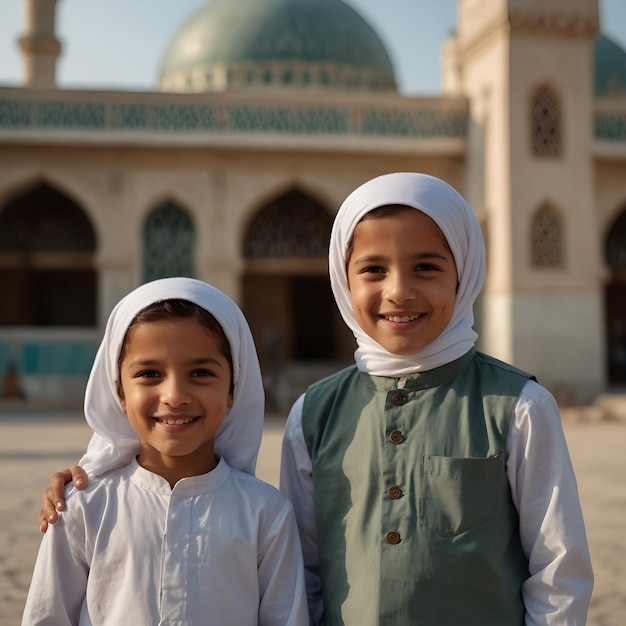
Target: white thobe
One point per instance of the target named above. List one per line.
(544, 490)
(221, 548)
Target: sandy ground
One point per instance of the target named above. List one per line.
(32, 445)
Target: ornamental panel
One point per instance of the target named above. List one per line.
(169, 239)
(421, 123)
(59, 114)
(547, 239)
(546, 124)
(610, 126)
(283, 119)
(293, 225)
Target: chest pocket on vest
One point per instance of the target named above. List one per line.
(457, 493)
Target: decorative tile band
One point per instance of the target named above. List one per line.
(53, 114)
(15, 114)
(18, 114)
(417, 123)
(610, 126)
(290, 120)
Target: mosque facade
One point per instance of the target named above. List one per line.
(266, 115)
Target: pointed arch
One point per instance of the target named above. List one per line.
(547, 238)
(47, 247)
(615, 248)
(168, 242)
(292, 225)
(546, 122)
(615, 299)
(286, 294)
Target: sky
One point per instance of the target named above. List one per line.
(118, 43)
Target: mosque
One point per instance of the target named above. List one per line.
(267, 113)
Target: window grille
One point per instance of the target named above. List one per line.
(168, 243)
(547, 239)
(293, 225)
(546, 124)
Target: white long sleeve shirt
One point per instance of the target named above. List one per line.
(544, 490)
(221, 548)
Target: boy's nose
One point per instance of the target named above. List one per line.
(399, 289)
(175, 393)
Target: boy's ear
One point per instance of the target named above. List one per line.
(120, 395)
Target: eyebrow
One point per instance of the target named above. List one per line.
(418, 256)
(197, 361)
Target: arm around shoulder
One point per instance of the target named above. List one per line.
(54, 496)
(54, 500)
(296, 482)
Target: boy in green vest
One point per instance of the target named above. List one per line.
(431, 483)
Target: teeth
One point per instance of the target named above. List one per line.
(177, 422)
(404, 318)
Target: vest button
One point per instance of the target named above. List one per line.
(392, 537)
(394, 492)
(398, 399)
(396, 437)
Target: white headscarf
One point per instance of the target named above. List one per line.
(115, 443)
(460, 227)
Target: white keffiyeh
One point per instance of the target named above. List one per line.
(460, 227)
(115, 443)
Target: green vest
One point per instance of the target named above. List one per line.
(414, 514)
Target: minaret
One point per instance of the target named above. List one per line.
(39, 45)
(526, 67)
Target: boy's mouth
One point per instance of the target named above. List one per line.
(176, 421)
(403, 318)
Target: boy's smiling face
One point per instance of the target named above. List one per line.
(175, 387)
(402, 279)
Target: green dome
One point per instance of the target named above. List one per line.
(610, 67)
(289, 43)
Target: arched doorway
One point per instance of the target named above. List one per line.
(615, 301)
(46, 261)
(48, 305)
(287, 298)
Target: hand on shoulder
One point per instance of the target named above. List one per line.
(54, 496)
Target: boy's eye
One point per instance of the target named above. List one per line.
(202, 373)
(147, 374)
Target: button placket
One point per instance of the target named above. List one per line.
(396, 399)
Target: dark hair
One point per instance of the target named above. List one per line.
(177, 308)
(380, 211)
